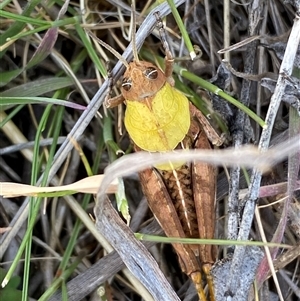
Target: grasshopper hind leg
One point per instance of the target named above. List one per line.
(197, 280)
(209, 279)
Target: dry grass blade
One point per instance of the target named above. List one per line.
(87, 185)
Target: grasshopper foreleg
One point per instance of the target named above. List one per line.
(169, 60)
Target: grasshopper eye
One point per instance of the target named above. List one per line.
(126, 84)
(151, 73)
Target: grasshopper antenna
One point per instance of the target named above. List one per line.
(133, 35)
(109, 48)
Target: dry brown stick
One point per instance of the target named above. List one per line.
(133, 253)
(88, 281)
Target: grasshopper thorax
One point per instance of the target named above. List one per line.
(142, 80)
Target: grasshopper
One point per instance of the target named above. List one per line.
(159, 118)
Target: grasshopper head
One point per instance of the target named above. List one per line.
(141, 80)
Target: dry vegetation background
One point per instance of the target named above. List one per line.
(52, 57)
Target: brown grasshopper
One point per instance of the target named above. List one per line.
(181, 198)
